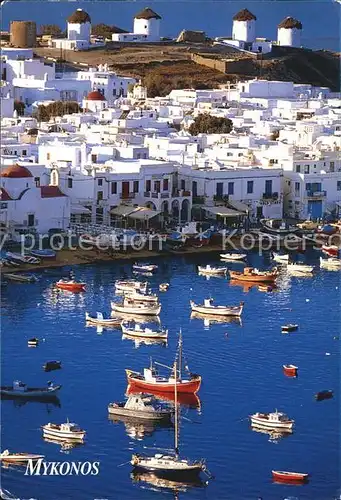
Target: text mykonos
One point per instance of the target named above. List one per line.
(42, 468)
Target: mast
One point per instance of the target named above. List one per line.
(176, 444)
(180, 355)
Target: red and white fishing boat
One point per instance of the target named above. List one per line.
(150, 379)
(70, 285)
(331, 250)
(290, 370)
(289, 477)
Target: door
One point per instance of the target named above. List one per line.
(268, 187)
(125, 189)
(315, 209)
(219, 189)
(194, 189)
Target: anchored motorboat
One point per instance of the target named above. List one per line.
(289, 328)
(274, 420)
(100, 320)
(71, 285)
(21, 390)
(130, 286)
(144, 268)
(327, 394)
(233, 256)
(254, 275)
(297, 268)
(19, 458)
(141, 406)
(52, 365)
(33, 342)
(64, 432)
(212, 271)
(208, 308)
(331, 263)
(131, 307)
(148, 333)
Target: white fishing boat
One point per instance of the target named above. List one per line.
(21, 390)
(274, 420)
(19, 458)
(63, 432)
(297, 268)
(233, 256)
(281, 259)
(208, 308)
(141, 406)
(331, 263)
(130, 307)
(138, 331)
(100, 320)
(130, 286)
(137, 296)
(212, 271)
(7, 495)
(163, 287)
(144, 268)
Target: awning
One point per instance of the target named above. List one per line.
(239, 205)
(224, 211)
(122, 210)
(79, 209)
(144, 214)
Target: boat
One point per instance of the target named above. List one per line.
(19, 458)
(137, 296)
(184, 399)
(254, 275)
(330, 263)
(52, 365)
(144, 268)
(131, 307)
(43, 254)
(209, 319)
(320, 396)
(290, 370)
(281, 259)
(274, 420)
(20, 390)
(296, 267)
(233, 256)
(148, 333)
(170, 465)
(150, 379)
(21, 278)
(163, 287)
(278, 227)
(7, 495)
(130, 286)
(70, 285)
(23, 259)
(140, 406)
(100, 320)
(33, 342)
(209, 308)
(288, 477)
(157, 483)
(289, 328)
(265, 288)
(138, 341)
(64, 432)
(331, 250)
(212, 271)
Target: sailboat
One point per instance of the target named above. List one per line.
(169, 465)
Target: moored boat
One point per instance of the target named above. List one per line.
(136, 296)
(327, 394)
(140, 406)
(71, 285)
(163, 287)
(7, 495)
(331, 250)
(298, 268)
(254, 275)
(290, 370)
(281, 259)
(100, 320)
(130, 286)
(289, 328)
(24, 259)
(148, 333)
(131, 307)
(64, 432)
(21, 390)
(330, 263)
(288, 477)
(144, 268)
(21, 278)
(43, 254)
(273, 420)
(52, 365)
(208, 308)
(19, 458)
(33, 342)
(212, 271)
(233, 256)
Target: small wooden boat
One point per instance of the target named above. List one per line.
(19, 458)
(21, 278)
(331, 250)
(278, 227)
(144, 268)
(274, 420)
(288, 477)
(23, 259)
(130, 286)
(298, 268)
(233, 256)
(281, 259)
(163, 287)
(265, 288)
(290, 370)
(320, 396)
(52, 365)
(33, 342)
(44, 254)
(148, 333)
(139, 406)
(100, 320)
(330, 263)
(63, 432)
(209, 308)
(212, 271)
(70, 285)
(131, 307)
(254, 275)
(136, 296)
(20, 390)
(289, 328)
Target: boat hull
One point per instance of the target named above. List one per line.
(149, 311)
(63, 436)
(17, 459)
(34, 393)
(282, 426)
(183, 387)
(234, 275)
(215, 311)
(289, 477)
(74, 287)
(140, 415)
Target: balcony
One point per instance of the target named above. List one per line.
(316, 194)
(270, 196)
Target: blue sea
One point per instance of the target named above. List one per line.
(320, 19)
(241, 367)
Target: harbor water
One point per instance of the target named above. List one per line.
(241, 369)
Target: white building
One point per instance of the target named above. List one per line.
(244, 26)
(289, 32)
(146, 28)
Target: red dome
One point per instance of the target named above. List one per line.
(15, 172)
(95, 95)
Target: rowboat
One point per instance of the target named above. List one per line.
(52, 365)
(137, 296)
(148, 333)
(281, 259)
(254, 275)
(20, 390)
(290, 370)
(130, 286)
(330, 263)
(266, 288)
(24, 259)
(163, 287)
(70, 285)
(299, 268)
(64, 432)
(131, 307)
(33, 342)
(274, 420)
(320, 396)
(289, 328)
(22, 278)
(212, 271)
(144, 268)
(43, 254)
(331, 250)
(233, 256)
(287, 477)
(142, 407)
(209, 308)
(19, 458)
(100, 320)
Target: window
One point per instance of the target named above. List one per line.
(48, 156)
(37, 181)
(148, 185)
(268, 187)
(298, 169)
(306, 169)
(339, 185)
(136, 186)
(30, 220)
(165, 185)
(94, 158)
(157, 186)
(249, 187)
(100, 182)
(114, 188)
(230, 188)
(308, 186)
(332, 166)
(297, 187)
(99, 195)
(69, 183)
(194, 188)
(219, 189)
(24, 152)
(183, 184)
